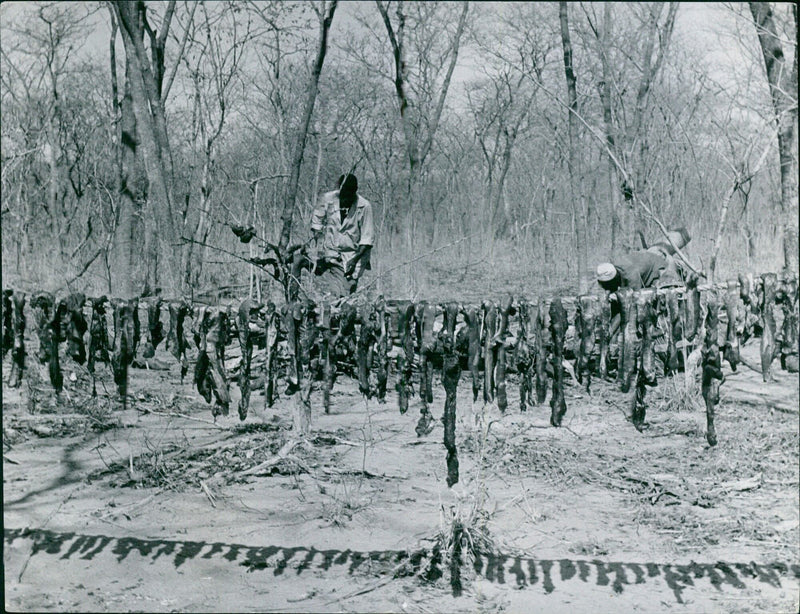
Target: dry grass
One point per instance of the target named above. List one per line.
(676, 393)
(464, 526)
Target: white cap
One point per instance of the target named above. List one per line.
(606, 271)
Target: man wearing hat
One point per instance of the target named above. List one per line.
(343, 230)
(645, 268)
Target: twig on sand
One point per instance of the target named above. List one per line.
(371, 587)
(173, 414)
(283, 454)
(44, 524)
(135, 505)
(210, 496)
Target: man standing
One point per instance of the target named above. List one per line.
(344, 233)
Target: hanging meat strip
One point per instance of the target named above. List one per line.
(730, 350)
(473, 320)
(752, 325)
(405, 360)
(523, 357)
(788, 341)
(290, 332)
(154, 327)
(18, 339)
(425, 317)
(629, 346)
(366, 338)
(75, 327)
(246, 339)
(176, 340)
(305, 325)
(674, 332)
(691, 322)
(499, 348)
(43, 304)
(769, 281)
(98, 337)
(382, 345)
(8, 321)
(57, 326)
(271, 334)
(325, 355)
(712, 366)
(585, 329)
(345, 343)
(210, 376)
(558, 330)
(645, 355)
(125, 329)
(451, 371)
(540, 347)
(602, 326)
(489, 329)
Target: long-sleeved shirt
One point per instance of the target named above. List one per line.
(341, 239)
(640, 269)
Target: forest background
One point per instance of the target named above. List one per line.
(504, 146)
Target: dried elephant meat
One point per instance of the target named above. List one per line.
(788, 340)
(768, 347)
(585, 329)
(246, 337)
(209, 373)
(500, 347)
(176, 339)
(311, 341)
(271, 349)
(155, 329)
(451, 371)
(405, 359)
(428, 347)
(558, 330)
(489, 351)
(730, 350)
(76, 327)
(126, 335)
(645, 356)
(17, 339)
(523, 357)
(8, 325)
(472, 318)
(382, 345)
(712, 367)
(98, 337)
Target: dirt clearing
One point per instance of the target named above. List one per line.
(145, 510)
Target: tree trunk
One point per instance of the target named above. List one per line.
(575, 152)
(783, 89)
(417, 149)
(125, 151)
(152, 138)
(620, 213)
(326, 18)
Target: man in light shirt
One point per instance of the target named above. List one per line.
(344, 232)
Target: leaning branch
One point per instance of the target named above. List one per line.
(626, 177)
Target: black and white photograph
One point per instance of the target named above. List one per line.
(400, 306)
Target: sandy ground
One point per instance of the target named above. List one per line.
(156, 514)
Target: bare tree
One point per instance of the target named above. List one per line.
(146, 75)
(577, 195)
(420, 115)
(627, 140)
(217, 44)
(325, 12)
(782, 80)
